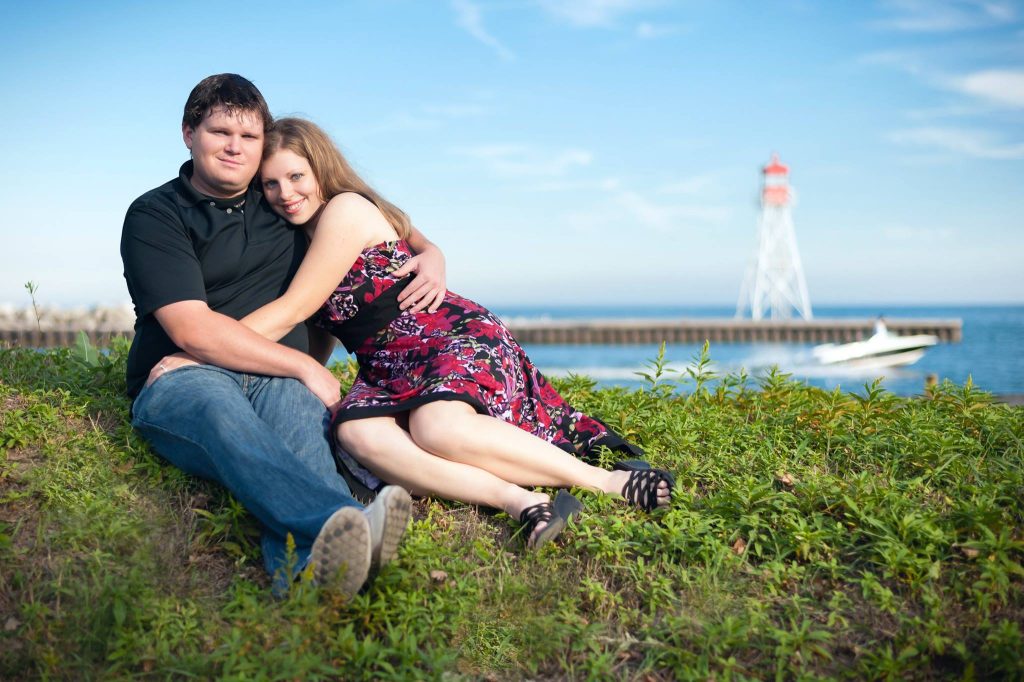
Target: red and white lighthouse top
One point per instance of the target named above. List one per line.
(774, 167)
(776, 183)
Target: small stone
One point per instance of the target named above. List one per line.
(786, 480)
(438, 576)
(11, 624)
(970, 552)
(740, 546)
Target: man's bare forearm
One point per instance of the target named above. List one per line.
(217, 339)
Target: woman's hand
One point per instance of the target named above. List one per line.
(169, 363)
(427, 289)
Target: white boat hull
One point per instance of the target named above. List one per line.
(881, 350)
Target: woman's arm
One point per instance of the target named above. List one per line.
(321, 344)
(349, 224)
(426, 290)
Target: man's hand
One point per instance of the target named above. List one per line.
(169, 363)
(321, 383)
(427, 289)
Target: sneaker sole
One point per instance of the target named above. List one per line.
(341, 552)
(397, 511)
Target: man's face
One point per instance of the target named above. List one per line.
(226, 149)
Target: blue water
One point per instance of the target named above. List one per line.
(991, 353)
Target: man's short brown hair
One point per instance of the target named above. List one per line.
(229, 90)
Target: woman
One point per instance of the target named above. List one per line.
(480, 421)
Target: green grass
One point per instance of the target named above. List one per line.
(813, 534)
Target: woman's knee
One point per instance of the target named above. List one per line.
(439, 426)
(366, 439)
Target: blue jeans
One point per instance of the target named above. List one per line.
(263, 438)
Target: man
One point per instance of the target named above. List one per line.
(199, 253)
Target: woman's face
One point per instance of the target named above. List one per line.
(290, 187)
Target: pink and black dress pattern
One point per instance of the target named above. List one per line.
(460, 352)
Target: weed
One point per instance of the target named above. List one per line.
(812, 534)
(31, 287)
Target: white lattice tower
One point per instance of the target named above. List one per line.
(774, 286)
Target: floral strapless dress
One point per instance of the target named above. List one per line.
(460, 352)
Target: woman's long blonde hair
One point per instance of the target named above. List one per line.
(333, 173)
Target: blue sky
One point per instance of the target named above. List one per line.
(559, 152)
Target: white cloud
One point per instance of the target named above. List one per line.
(645, 30)
(622, 208)
(977, 143)
(951, 111)
(594, 13)
(697, 184)
(403, 122)
(902, 60)
(521, 161)
(934, 16)
(668, 217)
(427, 117)
(914, 233)
(1001, 86)
(455, 110)
(470, 19)
(573, 186)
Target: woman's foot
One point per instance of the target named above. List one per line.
(542, 519)
(648, 489)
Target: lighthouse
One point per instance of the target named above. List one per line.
(774, 287)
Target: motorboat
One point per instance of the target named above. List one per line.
(881, 349)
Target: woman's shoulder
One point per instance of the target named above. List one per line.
(352, 203)
(357, 215)
(351, 208)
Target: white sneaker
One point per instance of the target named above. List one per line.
(388, 516)
(341, 551)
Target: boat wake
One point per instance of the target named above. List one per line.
(799, 362)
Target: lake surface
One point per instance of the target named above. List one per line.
(991, 353)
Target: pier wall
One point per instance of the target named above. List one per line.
(619, 332)
(571, 332)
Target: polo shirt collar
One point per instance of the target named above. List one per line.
(190, 196)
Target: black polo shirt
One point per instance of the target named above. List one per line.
(180, 245)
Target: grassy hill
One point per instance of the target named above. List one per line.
(812, 534)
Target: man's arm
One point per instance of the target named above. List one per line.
(217, 339)
(427, 289)
(165, 279)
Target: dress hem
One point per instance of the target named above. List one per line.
(348, 414)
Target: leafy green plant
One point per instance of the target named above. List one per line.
(31, 287)
(812, 534)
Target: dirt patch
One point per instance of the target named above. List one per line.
(13, 402)
(192, 567)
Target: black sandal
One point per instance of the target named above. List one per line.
(631, 465)
(556, 515)
(642, 487)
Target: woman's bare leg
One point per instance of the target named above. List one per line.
(386, 449)
(453, 430)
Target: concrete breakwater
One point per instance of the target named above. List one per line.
(723, 330)
(57, 327)
(50, 326)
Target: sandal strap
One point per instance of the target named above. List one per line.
(532, 516)
(642, 487)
